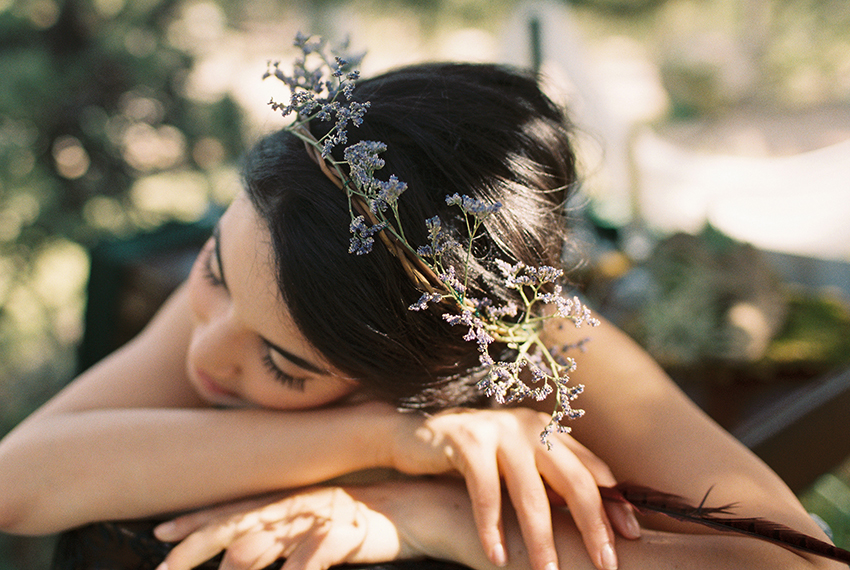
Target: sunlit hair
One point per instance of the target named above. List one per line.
(484, 131)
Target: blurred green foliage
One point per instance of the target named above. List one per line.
(91, 100)
(714, 310)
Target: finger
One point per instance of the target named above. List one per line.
(199, 547)
(528, 495)
(252, 551)
(481, 473)
(571, 479)
(182, 526)
(315, 553)
(621, 515)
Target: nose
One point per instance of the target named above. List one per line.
(219, 345)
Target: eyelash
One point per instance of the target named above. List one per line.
(211, 277)
(281, 376)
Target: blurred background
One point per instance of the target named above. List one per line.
(714, 136)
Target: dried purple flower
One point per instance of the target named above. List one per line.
(518, 325)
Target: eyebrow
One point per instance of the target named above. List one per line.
(296, 360)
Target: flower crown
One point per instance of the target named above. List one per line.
(321, 87)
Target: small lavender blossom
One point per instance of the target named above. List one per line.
(506, 268)
(476, 332)
(434, 226)
(547, 274)
(388, 194)
(515, 275)
(423, 301)
(362, 241)
(305, 45)
(509, 309)
(518, 281)
(340, 63)
(439, 239)
(572, 309)
(306, 84)
(449, 277)
(473, 206)
(364, 156)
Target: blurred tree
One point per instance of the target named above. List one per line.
(91, 101)
(620, 7)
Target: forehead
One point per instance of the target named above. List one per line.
(248, 266)
(246, 255)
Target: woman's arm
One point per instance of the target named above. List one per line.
(642, 426)
(129, 438)
(317, 528)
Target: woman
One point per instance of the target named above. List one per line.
(284, 361)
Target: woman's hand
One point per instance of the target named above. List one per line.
(486, 446)
(313, 529)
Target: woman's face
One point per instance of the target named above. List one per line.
(245, 349)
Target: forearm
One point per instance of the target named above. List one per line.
(443, 528)
(645, 429)
(78, 467)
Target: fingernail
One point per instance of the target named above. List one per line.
(632, 526)
(498, 555)
(609, 557)
(162, 566)
(551, 566)
(163, 532)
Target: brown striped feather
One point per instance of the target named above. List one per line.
(645, 499)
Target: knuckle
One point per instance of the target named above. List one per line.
(534, 502)
(485, 505)
(585, 488)
(477, 434)
(597, 467)
(239, 558)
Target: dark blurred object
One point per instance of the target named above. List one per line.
(112, 546)
(129, 281)
(804, 434)
(131, 545)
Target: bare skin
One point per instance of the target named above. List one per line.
(128, 440)
(138, 435)
(320, 527)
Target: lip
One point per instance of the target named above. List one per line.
(212, 387)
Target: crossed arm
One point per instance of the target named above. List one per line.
(638, 423)
(320, 527)
(130, 439)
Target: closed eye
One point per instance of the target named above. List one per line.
(281, 376)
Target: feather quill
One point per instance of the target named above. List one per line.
(645, 499)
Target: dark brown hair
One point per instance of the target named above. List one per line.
(485, 131)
